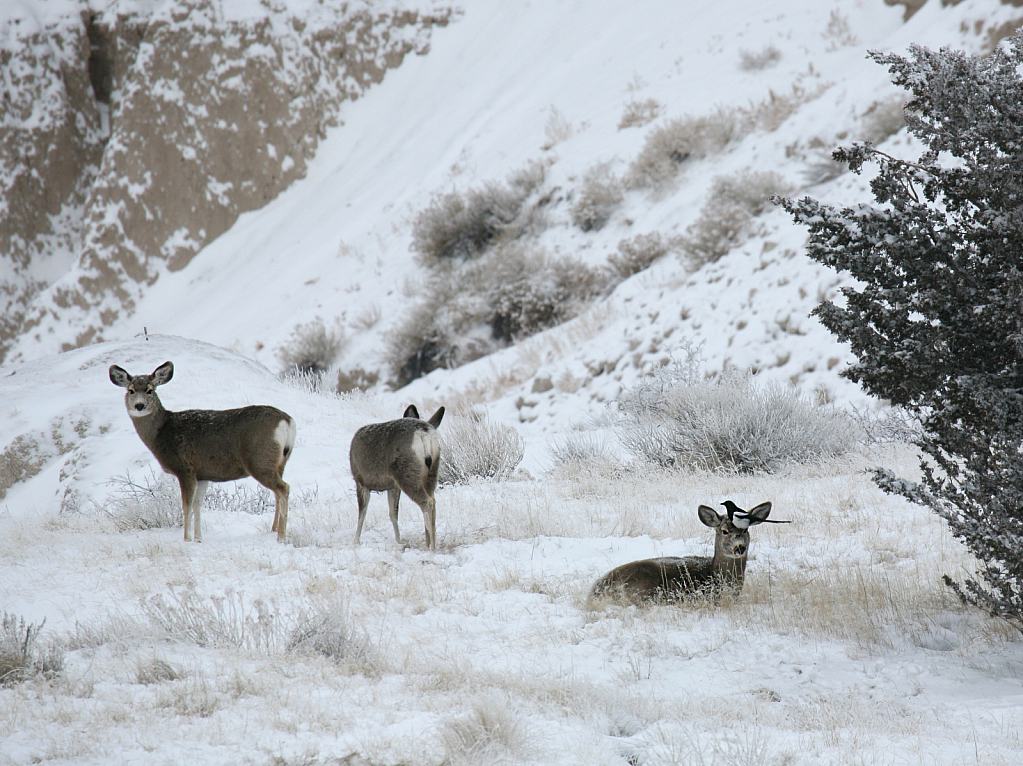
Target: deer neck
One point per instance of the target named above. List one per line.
(148, 426)
(729, 570)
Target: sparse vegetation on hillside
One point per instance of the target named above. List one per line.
(461, 226)
(727, 218)
(471, 309)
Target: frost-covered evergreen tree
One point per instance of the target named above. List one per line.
(936, 321)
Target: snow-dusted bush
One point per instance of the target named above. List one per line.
(682, 139)
(580, 448)
(734, 424)
(459, 225)
(21, 656)
(601, 192)
(474, 447)
(312, 348)
(726, 220)
(754, 61)
(639, 113)
(636, 254)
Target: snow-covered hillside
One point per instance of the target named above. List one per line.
(845, 646)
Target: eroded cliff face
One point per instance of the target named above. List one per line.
(130, 139)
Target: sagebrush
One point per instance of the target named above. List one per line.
(312, 348)
(676, 420)
(21, 655)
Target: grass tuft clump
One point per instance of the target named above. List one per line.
(21, 656)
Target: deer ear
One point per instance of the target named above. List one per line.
(760, 513)
(709, 516)
(436, 417)
(163, 373)
(411, 412)
(119, 376)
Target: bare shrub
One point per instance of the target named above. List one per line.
(152, 502)
(682, 139)
(557, 129)
(312, 348)
(636, 254)
(639, 113)
(21, 656)
(581, 448)
(726, 220)
(755, 61)
(463, 226)
(600, 194)
(732, 424)
(474, 447)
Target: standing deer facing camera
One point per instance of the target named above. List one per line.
(200, 446)
(398, 456)
(672, 577)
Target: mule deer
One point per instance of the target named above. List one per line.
(673, 577)
(200, 446)
(398, 456)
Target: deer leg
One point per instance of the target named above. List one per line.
(430, 519)
(281, 511)
(197, 497)
(362, 493)
(187, 493)
(393, 496)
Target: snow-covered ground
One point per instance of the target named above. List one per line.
(845, 647)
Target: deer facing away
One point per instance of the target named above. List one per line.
(673, 577)
(200, 446)
(398, 456)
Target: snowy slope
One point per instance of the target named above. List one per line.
(505, 81)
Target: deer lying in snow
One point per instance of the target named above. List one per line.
(200, 446)
(673, 577)
(398, 456)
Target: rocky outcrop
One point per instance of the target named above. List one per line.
(128, 142)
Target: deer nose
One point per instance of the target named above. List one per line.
(740, 550)
(139, 406)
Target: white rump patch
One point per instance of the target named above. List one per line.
(426, 443)
(285, 434)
